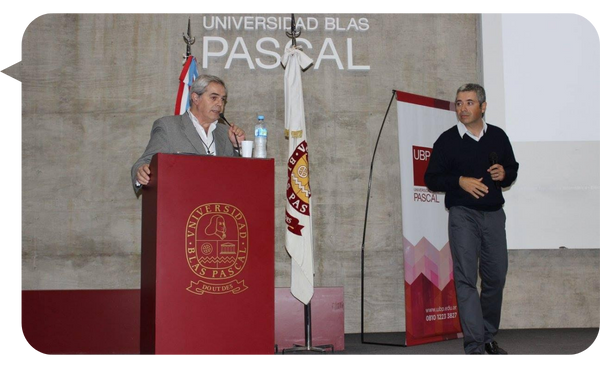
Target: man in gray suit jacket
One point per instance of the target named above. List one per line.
(197, 131)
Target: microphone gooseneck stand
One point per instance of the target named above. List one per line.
(234, 136)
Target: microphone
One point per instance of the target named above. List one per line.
(222, 116)
(493, 161)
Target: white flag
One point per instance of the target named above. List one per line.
(298, 239)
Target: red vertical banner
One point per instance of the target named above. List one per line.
(430, 298)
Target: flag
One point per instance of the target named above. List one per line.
(298, 239)
(189, 73)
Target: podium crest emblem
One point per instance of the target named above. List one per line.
(216, 248)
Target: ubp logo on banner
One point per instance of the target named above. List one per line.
(421, 157)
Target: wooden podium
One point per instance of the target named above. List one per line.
(208, 256)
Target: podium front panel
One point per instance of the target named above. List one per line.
(208, 256)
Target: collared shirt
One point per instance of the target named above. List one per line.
(462, 130)
(208, 139)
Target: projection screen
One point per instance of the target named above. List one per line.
(542, 77)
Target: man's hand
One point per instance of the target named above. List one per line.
(497, 172)
(473, 186)
(143, 174)
(235, 131)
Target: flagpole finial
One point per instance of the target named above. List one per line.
(293, 34)
(189, 40)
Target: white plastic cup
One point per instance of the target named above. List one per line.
(247, 148)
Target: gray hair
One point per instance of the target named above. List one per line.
(200, 84)
(472, 87)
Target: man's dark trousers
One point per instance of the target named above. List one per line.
(479, 235)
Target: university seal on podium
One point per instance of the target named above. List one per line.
(216, 248)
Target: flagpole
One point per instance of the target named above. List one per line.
(188, 74)
(189, 41)
(308, 344)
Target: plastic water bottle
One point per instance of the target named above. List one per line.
(260, 138)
